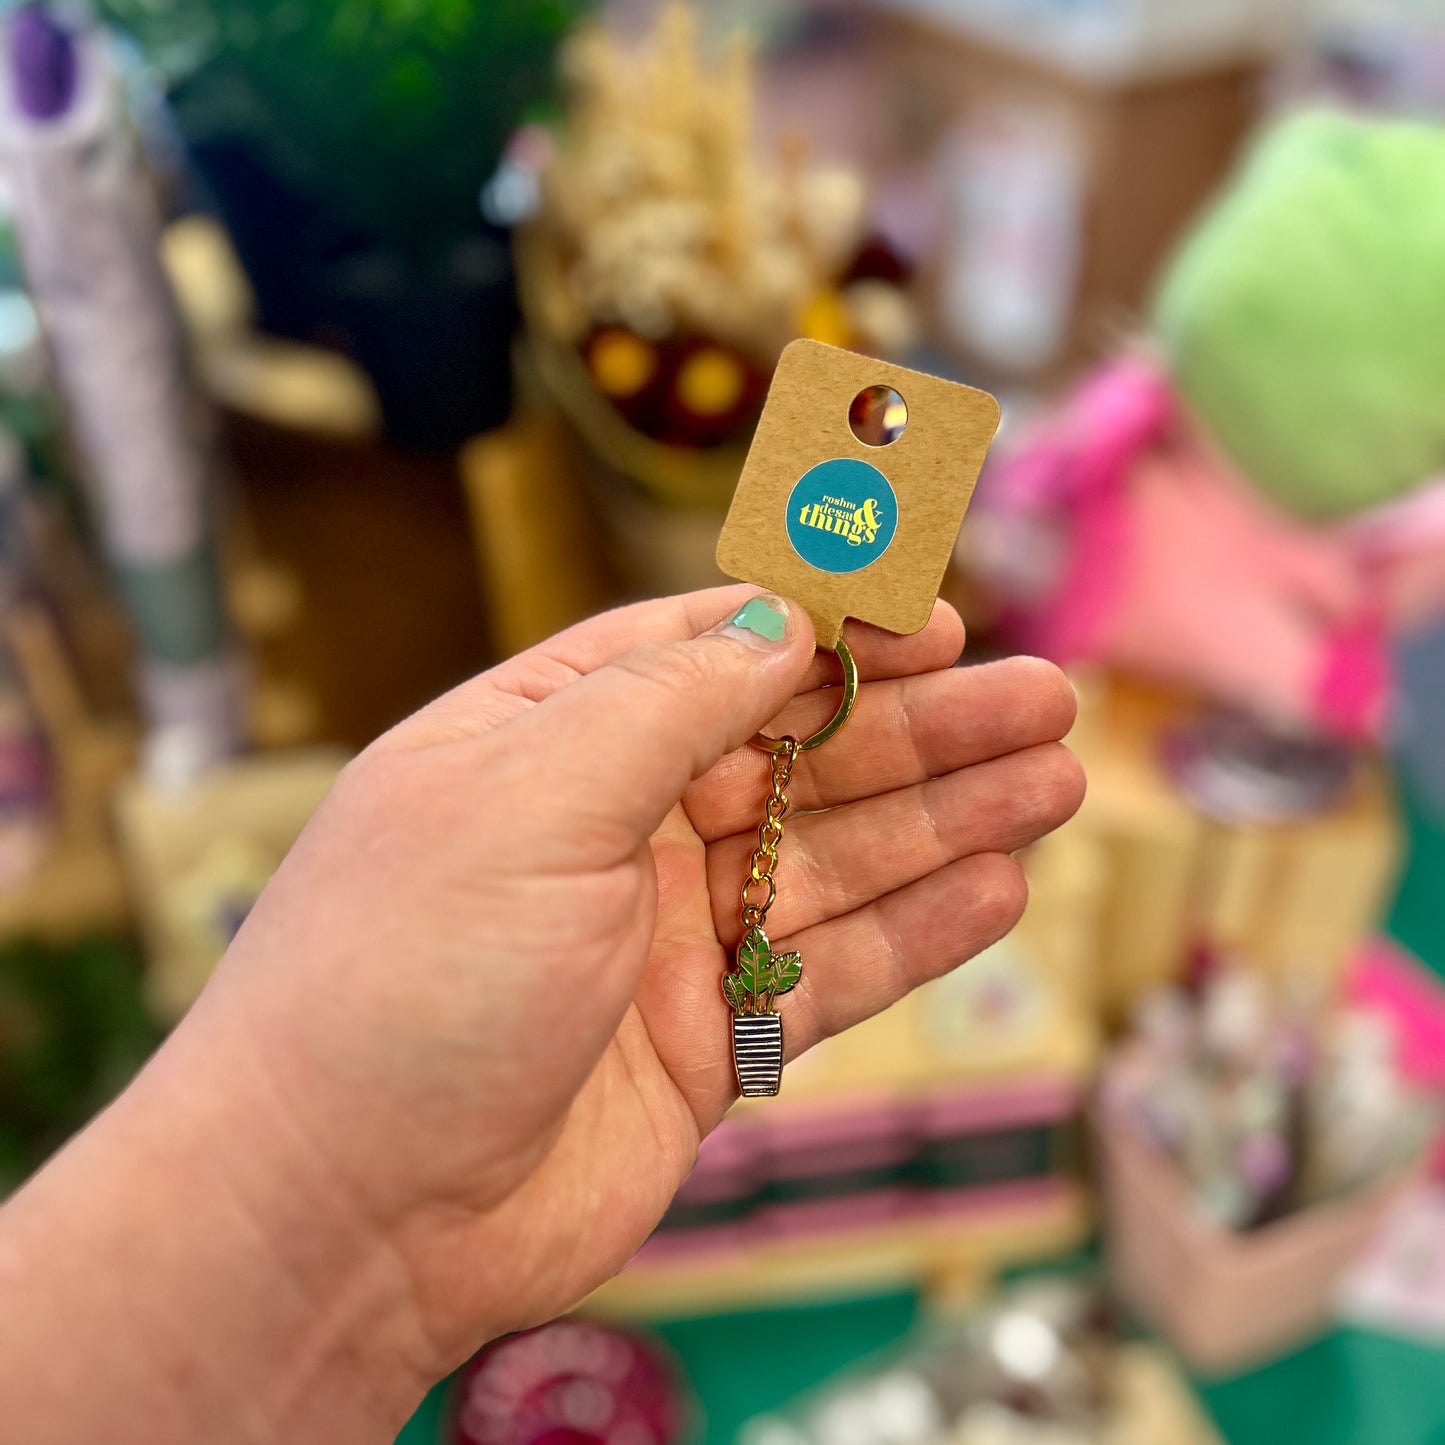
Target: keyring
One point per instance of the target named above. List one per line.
(845, 709)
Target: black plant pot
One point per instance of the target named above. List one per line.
(436, 339)
(758, 1054)
(285, 241)
(437, 345)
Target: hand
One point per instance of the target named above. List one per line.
(473, 1031)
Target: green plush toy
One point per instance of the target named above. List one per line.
(1304, 319)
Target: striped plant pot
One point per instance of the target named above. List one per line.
(758, 1054)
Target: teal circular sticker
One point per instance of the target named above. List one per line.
(842, 515)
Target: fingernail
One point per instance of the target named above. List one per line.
(760, 621)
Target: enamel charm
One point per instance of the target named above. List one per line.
(759, 978)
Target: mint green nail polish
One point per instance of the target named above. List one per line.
(765, 617)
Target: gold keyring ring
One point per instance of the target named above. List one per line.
(845, 709)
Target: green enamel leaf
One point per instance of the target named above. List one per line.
(733, 992)
(754, 961)
(787, 970)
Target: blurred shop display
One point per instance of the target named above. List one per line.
(1115, 533)
(678, 262)
(89, 238)
(535, 531)
(1042, 1365)
(1420, 750)
(1106, 40)
(325, 507)
(932, 1144)
(133, 596)
(197, 861)
(63, 762)
(572, 1380)
(67, 729)
(1250, 1147)
(290, 385)
(1265, 1109)
(69, 743)
(1227, 530)
(667, 264)
(1251, 515)
(1383, 55)
(346, 147)
(1297, 893)
(27, 784)
(1398, 1286)
(1060, 149)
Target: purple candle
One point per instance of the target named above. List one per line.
(42, 53)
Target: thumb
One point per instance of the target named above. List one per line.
(623, 743)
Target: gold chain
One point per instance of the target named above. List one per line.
(770, 834)
(759, 976)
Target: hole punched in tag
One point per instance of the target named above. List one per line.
(878, 416)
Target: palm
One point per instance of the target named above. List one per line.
(629, 1136)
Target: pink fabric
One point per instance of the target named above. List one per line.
(974, 1109)
(1400, 526)
(1175, 569)
(1354, 684)
(1400, 549)
(845, 1213)
(1113, 416)
(859, 1215)
(1079, 464)
(1092, 591)
(1387, 980)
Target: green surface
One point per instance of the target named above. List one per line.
(736, 1364)
(1349, 1388)
(425, 1427)
(73, 1031)
(741, 1364)
(1418, 917)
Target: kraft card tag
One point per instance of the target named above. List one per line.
(842, 527)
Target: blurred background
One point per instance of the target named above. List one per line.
(347, 347)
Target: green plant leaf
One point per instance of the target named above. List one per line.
(755, 956)
(787, 970)
(734, 992)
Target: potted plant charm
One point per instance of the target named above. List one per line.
(751, 987)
